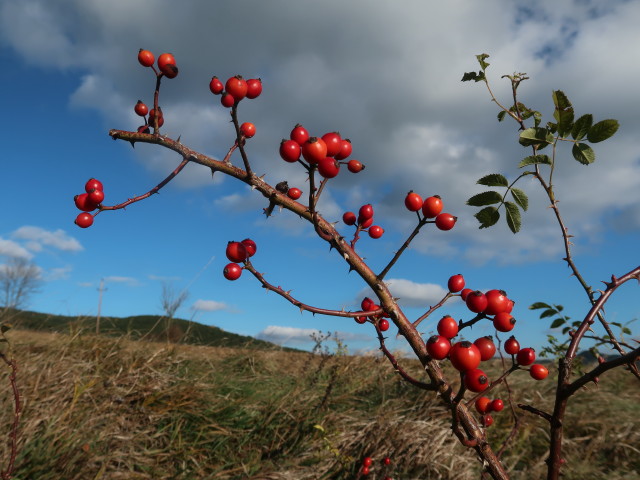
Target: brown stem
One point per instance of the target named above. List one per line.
(240, 139)
(433, 309)
(405, 245)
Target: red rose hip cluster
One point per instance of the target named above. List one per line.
(88, 202)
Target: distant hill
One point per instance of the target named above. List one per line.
(146, 327)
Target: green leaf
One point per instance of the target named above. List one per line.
(488, 216)
(559, 307)
(477, 77)
(626, 330)
(583, 153)
(485, 198)
(493, 180)
(539, 305)
(602, 130)
(501, 115)
(536, 136)
(537, 117)
(565, 330)
(513, 216)
(563, 112)
(581, 127)
(535, 159)
(548, 313)
(557, 322)
(521, 198)
(481, 60)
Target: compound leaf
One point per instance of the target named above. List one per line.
(539, 305)
(558, 322)
(481, 60)
(536, 136)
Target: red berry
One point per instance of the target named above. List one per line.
(465, 293)
(294, 193)
(84, 220)
(345, 149)
(248, 129)
(445, 221)
(250, 246)
(232, 271)
(476, 380)
(254, 87)
(333, 142)
(141, 109)
(93, 184)
(314, 150)
(227, 100)
(512, 346)
(383, 325)
(365, 470)
(455, 283)
(386, 461)
(146, 58)
(83, 202)
(328, 167)
(170, 71)
(476, 301)
(152, 117)
(448, 327)
(375, 231)
(486, 346)
(483, 405)
(413, 201)
(164, 60)
(349, 218)
(361, 320)
(367, 305)
(299, 134)
(509, 307)
(216, 86)
(438, 347)
(487, 420)
(289, 151)
(497, 405)
(355, 166)
(497, 302)
(236, 87)
(365, 222)
(236, 252)
(504, 322)
(366, 212)
(432, 206)
(464, 356)
(367, 461)
(96, 196)
(526, 356)
(538, 372)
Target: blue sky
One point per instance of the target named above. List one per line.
(387, 78)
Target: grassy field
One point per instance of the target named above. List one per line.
(114, 408)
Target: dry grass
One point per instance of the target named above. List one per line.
(105, 408)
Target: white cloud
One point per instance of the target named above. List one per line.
(411, 294)
(291, 335)
(57, 273)
(37, 237)
(130, 281)
(13, 249)
(209, 306)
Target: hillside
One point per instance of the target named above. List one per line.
(147, 327)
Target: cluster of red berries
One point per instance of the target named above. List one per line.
(431, 207)
(364, 220)
(466, 356)
(88, 202)
(484, 405)
(235, 89)
(166, 63)
(367, 463)
(238, 252)
(368, 305)
(326, 153)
